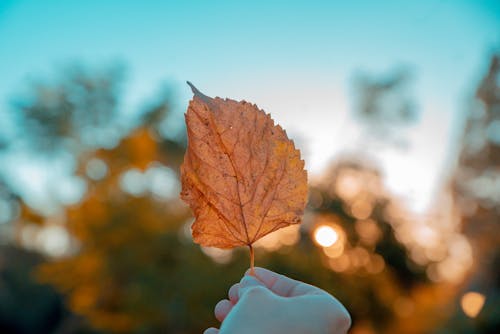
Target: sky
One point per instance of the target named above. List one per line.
(294, 59)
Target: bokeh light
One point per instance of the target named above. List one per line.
(472, 303)
(325, 235)
(221, 256)
(96, 169)
(286, 236)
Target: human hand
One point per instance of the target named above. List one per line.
(270, 303)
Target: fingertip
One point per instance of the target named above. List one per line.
(247, 283)
(222, 309)
(338, 314)
(211, 330)
(233, 293)
(282, 285)
(256, 270)
(266, 276)
(345, 318)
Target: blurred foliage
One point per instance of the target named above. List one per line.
(129, 265)
(10, 204)
(385, 106)
(386, 98)
(27, 306)
(477, 191)
(374, 275)
(78, 110)
(127, 245)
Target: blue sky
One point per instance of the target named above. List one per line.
(295, 59)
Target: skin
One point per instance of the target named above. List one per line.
(270, 303)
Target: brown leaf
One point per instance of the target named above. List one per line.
(241, 175)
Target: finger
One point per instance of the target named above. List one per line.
(283, 285)
(211, 330)
(247, 283)
(266, 276)
(233, 293)
(222, 309)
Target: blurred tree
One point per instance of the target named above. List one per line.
(28, 307)
(477, 191)
(381, 246)
(381, 285)
(76, 112)
(384, 104)
(8, 200)
(10, 204)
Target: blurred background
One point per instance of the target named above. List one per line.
(395, 107)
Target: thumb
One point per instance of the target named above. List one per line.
(248, 283)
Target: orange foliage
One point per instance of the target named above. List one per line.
(116, 277)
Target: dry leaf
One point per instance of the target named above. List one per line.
(241, 176)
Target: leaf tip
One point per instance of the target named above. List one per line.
(193, 88)
(197, 93)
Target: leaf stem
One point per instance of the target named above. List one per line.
(252, 256)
